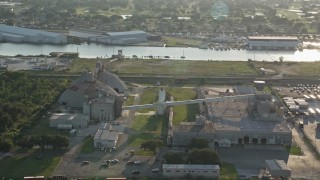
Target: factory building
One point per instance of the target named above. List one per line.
(112, 38)
(246, 121)
(68, 121)
(24, 35)
(105, 139)
(278, 168)
(99, 94)
(195, 170)
(272, 43)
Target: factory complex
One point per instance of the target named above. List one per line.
(253, 119)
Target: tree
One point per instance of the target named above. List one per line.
(199, 143)
(173, 158)
(203, 156)
(151, 145)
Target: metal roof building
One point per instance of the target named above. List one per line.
(273, 42)
(116, 38)
(18, 34)
(278, 168)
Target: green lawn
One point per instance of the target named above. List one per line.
(183, 68)
(149, 96)
(294, 150)
(136, 140)
(87, 147)
(184, 113)
(228, 171)
(146, 123)
(144, 153)
(18, 167)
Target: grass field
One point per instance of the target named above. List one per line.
(81, 65)
(145, 123)
(183, 68)
(87, 147)
(136, 140)
(149, 96)
(186, 112)
(18, 167)
(228, 171)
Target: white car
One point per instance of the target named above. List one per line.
(115, 160)
(137, 162)
(155, 170)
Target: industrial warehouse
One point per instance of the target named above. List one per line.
(112, 38)
(273, 43)
(100, 95)
(251, 119)
(24, 35)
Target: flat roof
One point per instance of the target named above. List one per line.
(272, 38)
(275, 164)
(191, 166)
(234, 116)
(192, 127)
(125, 33)
(25, 31)
(103, 134)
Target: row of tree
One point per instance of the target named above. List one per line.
(54, 141)
(200, 154)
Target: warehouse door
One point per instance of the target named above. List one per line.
(246, 140)
(240, 141)
(263, 140)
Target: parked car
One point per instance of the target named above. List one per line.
(85, 162)
(104, 165)
(135, 172)
(130, 163)
(114, 160)
(138, 163)
(155, 170)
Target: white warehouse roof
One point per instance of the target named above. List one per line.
(125, 33)
(24, 31)
(272, 38)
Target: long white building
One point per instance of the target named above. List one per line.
(24, 35)
(273, 42)
(195, 170)
(114, 38)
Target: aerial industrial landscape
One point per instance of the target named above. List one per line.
(150, 115)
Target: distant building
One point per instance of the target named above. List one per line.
(68, 121)
(195, 170)
(105, 139)
(24, 35)
(114, 38)
(273, 42)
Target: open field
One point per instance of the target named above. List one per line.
(183, 68)
(18, 167)
(185, 112)
(146, 123)
(136, 140)
(294, 150)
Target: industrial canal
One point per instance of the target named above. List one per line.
(174, 53)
